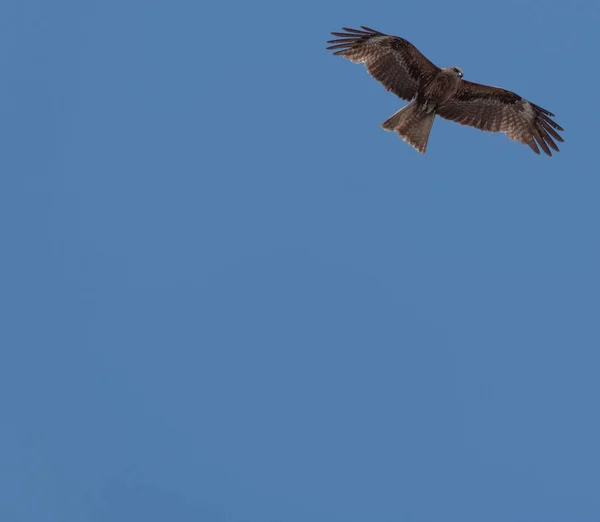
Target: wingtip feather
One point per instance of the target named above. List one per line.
(357, 31)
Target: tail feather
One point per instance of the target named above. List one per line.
(412, 124)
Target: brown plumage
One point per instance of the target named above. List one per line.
(403, 70)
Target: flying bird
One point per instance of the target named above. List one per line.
(401, 68)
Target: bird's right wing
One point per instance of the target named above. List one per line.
(393, 61)
(494, 109)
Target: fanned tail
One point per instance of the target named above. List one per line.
(413, 125)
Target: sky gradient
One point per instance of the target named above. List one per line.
(228, 295)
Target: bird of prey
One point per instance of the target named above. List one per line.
(402, 69)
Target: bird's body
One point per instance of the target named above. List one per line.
(439, 89)
(402, 69)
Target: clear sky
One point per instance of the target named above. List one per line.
(228, 295)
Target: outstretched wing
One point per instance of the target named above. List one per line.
(497, 110)
(391, 60)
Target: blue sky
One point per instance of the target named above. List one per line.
(228, 295)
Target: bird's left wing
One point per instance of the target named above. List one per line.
(497, 110)
(393, 61)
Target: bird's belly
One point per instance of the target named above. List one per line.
(438, 91)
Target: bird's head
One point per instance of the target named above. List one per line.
(457, 71)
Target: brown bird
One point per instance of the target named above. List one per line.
(401, 68)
